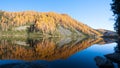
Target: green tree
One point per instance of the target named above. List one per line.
(115, 6)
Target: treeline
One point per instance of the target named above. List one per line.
(46, 22)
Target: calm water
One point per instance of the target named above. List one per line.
(53, 52)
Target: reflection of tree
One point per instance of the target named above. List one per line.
(44, 49)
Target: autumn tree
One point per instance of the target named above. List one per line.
(44, 22)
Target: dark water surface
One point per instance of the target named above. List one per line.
(53, 52)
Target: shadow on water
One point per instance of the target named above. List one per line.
(111, 60)
(23, 65)
(30, 50)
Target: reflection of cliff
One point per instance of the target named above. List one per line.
(107, 41)
(44, 50)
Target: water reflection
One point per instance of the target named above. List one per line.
(44, 49)
(23, 65)
(111, 60)
(49, 49)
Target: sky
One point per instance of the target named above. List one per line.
(95, 13)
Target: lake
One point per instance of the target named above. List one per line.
(22, 52)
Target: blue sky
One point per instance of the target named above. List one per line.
(95, 13)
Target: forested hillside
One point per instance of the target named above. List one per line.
(44, 23)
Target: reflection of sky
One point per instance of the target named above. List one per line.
(95, 13)
(82, 59)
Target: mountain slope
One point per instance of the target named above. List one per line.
(45, 23)
(107, 33)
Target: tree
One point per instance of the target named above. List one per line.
(115, 6)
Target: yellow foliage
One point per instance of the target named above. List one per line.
(45, 21)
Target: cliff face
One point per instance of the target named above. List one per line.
(45, 23)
